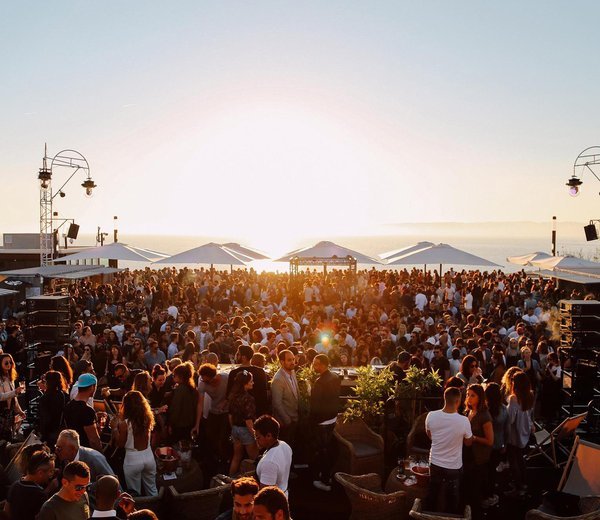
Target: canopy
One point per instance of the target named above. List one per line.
(566, 262)
(210, 253)
(246, 251)
(324, 250)
(528, 258)
(405, 250)
(441, 254)
(115, 251)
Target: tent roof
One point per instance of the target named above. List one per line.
(327, 249)
(61, 271)
(566, 262)
(570, 276)
(528, 258)
(210, 253)
(441, 254)
(115, 251)
(246, 251)
(405, 250)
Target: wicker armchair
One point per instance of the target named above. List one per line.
(417, 512)
(361, 449)
(417, 441)
(156, 504)
(197, 505)
(590, 507)
(368, 500)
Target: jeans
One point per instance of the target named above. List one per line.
(443, 495)
(140, 466)
(325, 449)
(516, 460)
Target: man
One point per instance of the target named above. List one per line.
(173, 347)
(271, 504)
(107, 493)
(440, 362)
(448, 430)
(260, 389)
(324, 407)
(125, 377)
(214, 384)
(273, 469)
(243, 491)
(71, 502)
(284, 396)
(68, 449)
(204, 336)
(154, 356)
(26, 496)
(80, 416)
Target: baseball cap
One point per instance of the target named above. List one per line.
(86, 380)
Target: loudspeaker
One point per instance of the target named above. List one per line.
(74, 230)
(591, 233)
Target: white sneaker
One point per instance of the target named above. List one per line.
(321, 485)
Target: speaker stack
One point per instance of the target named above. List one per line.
(580, 349)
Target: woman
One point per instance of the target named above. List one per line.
(114, 358)
(551, 387)
(507, 382)
(242, 412)
(531, 367)
(499, 368)
(142, 382)
(512, 353)
(133, 433)
(82, 365)
(520, 427)
(477, 456)
(9, 404)
(133, 354)
(182, 411)
(113, 339)
(469, 372)
(70, 354)
(51, 406)
(497, 409)
(87, 338)
(61, 364)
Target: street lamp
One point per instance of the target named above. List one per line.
(68, 159)
(585, 160)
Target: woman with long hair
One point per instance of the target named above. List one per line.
(87, 338)
(9, 404)
(61, 364)
(531, 367)
(469, 371)
(506, 385)
(51, 406)
(134, 425)
(477, 456)
(142, 382)
(520, 427)
(70, 354)
(242, 412)
(499, 368)
(497, 409)
(182, 411)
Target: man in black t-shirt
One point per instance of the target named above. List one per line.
(440, 362)
(80, 416)
(26, 496)
(125, 377)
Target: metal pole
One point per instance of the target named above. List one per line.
(554, 235)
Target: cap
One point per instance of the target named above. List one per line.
(289, 320)
(86, 380)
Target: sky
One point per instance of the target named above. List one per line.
(276, 118)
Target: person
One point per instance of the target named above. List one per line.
(440, 362)
(214, 384)
(153, 355)
(26, 496)
(183, 408)
(71, 502)
(520, 427)
(271, 504)
(497, 409)
(273, 469)
(68, 449)
(80, 416)
(61, 364)
(125, 378)
(108, 497)
(51, 407)
(285, 396)
(531, 367)
(448, 431)
(551, 387)
(133, 429)
(242, 412)
(142, 514)
(477, 456)
(470, 372)
(243, 491)
(9, 404)
(260, 389)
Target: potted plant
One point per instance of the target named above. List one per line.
(417, 384)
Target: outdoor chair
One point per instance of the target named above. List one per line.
(156, 504)
(360, 448)
(368, 500)
(548, 443)
(197, 505)
(417, 512)
(417, 442)
(580, 478)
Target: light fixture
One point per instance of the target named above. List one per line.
(89, 185)
(45, 176)
(573, 183)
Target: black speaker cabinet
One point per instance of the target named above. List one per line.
(74, 231)
(48, 303)
(591, 233)
(579, 307)
(584, 323)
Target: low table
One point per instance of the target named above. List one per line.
(191, 479)
(393, 483)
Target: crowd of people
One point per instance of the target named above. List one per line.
(211, 359)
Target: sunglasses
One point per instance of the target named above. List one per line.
(82, 487)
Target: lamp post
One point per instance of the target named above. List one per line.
(585, 160)
(68, 159)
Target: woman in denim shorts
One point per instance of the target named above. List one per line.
(242, 412)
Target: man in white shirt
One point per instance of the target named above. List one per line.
(273, 469)
(420, 300)
(448, 430)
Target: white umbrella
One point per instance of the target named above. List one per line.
(405, 250)
(529, 258)
(327, 249)
(115, 251)
(246, 251)
(566, 262)
(441, 254)
(210, 253)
